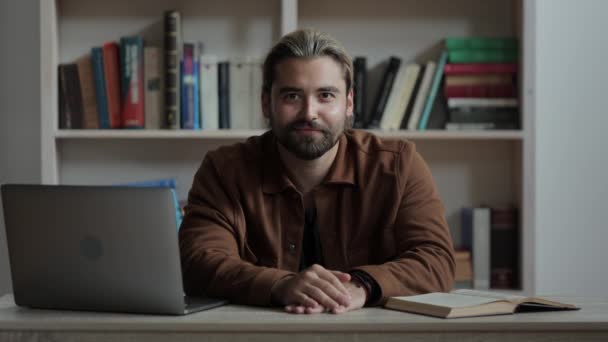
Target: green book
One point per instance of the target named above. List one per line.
(507, 43)
(482, 56)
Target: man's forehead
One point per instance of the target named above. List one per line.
(322, 69)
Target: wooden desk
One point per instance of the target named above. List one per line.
(240, 323)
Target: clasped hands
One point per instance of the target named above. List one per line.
(316, 290)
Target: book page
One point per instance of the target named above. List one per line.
(449, 300)
(486, 294)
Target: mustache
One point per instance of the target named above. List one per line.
(300, 124)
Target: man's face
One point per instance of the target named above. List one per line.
(308, 106)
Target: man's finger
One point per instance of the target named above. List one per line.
(333, 279)
(320, 295)
(330, 290)
(343, 277)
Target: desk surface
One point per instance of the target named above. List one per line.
(593, 317)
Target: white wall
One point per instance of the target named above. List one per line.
(571, 158)
(19, 104)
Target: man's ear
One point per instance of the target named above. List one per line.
(349, 103)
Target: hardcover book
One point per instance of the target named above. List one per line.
(470, 303)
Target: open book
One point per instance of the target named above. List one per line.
(468, 303)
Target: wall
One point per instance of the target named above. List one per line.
(571, 160)
(19, 104)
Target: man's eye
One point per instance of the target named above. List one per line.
(327, 96)
(292, 96)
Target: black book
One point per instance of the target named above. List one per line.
(173, 57)
(359, 84)
(223, 72)
(70, 98)
(384, 91)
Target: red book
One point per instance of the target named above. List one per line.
(498, 90)
(480, 68)
(112, 74)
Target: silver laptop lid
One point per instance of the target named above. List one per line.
(95, 248)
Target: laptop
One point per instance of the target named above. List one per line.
(96, 248)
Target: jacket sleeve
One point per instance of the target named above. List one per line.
(211, 239)
(425, 255)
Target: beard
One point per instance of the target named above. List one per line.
(309, 147)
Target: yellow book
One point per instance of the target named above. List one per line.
(469, 303)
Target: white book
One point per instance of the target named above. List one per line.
(209, 95)
(481, 248)
(240, 93)
(400, 96)
(423, 93)
(257, 117)
(482, 102)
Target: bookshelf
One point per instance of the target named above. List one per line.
(470, 167)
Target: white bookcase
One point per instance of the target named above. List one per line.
(470, 168)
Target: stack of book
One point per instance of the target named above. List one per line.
(464, 271)
(481, 83)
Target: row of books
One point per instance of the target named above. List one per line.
(489, 251)
(128, 84)
(479, 89)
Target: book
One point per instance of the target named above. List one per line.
(112, 77)
(482, 102)
(209, 92)
(90, 118)
(240, 93)
(504, 247)
(479, 126)
(504, 91)
(480, 68)
(421, 95)
(384, 90)
(359, 91)
(479, 79)
(482, 114)
(400, 96)
(471, 303)
(70, 99)
(483, 55)
(173, 57)
(258, 121)
(132, 81)
(430, 101)
(481, 43)
(464, 271)
(190, 115)
(153, 92)
(100, 88)
(223, 71)
(481, 247)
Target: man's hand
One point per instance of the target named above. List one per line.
(314, 288)
(358, 295)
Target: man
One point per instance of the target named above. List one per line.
(311, 215)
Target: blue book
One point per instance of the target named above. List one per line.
(197, 103)
(100, 87)
(162, 183)
(428, 106)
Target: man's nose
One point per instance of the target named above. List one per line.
(309, 108)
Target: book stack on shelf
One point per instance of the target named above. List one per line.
(481, 83)
(491, 234)
(131, 85)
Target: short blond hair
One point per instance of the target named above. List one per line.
(306, 43)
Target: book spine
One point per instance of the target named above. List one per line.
(359, 92)
(173, 48)
(384, 91)
(482, 102)
(100, 88)
(224, 94)
(240, 88)
(209, 92)
(481, 248)
(196, 92)
(480, 79)
(504, 91)
(504, 249)
(423, 92)
(507, 43)
(482, 56)
(153, 94)
(70, 114)
(132, 81)
(87, 91)
(257, 116)
(496, 116)
(480, 68)
(478, 126)
(112, 76)
(430, 101)
(410, 106)
(187, 87)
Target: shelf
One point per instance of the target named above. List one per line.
(243, 134)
